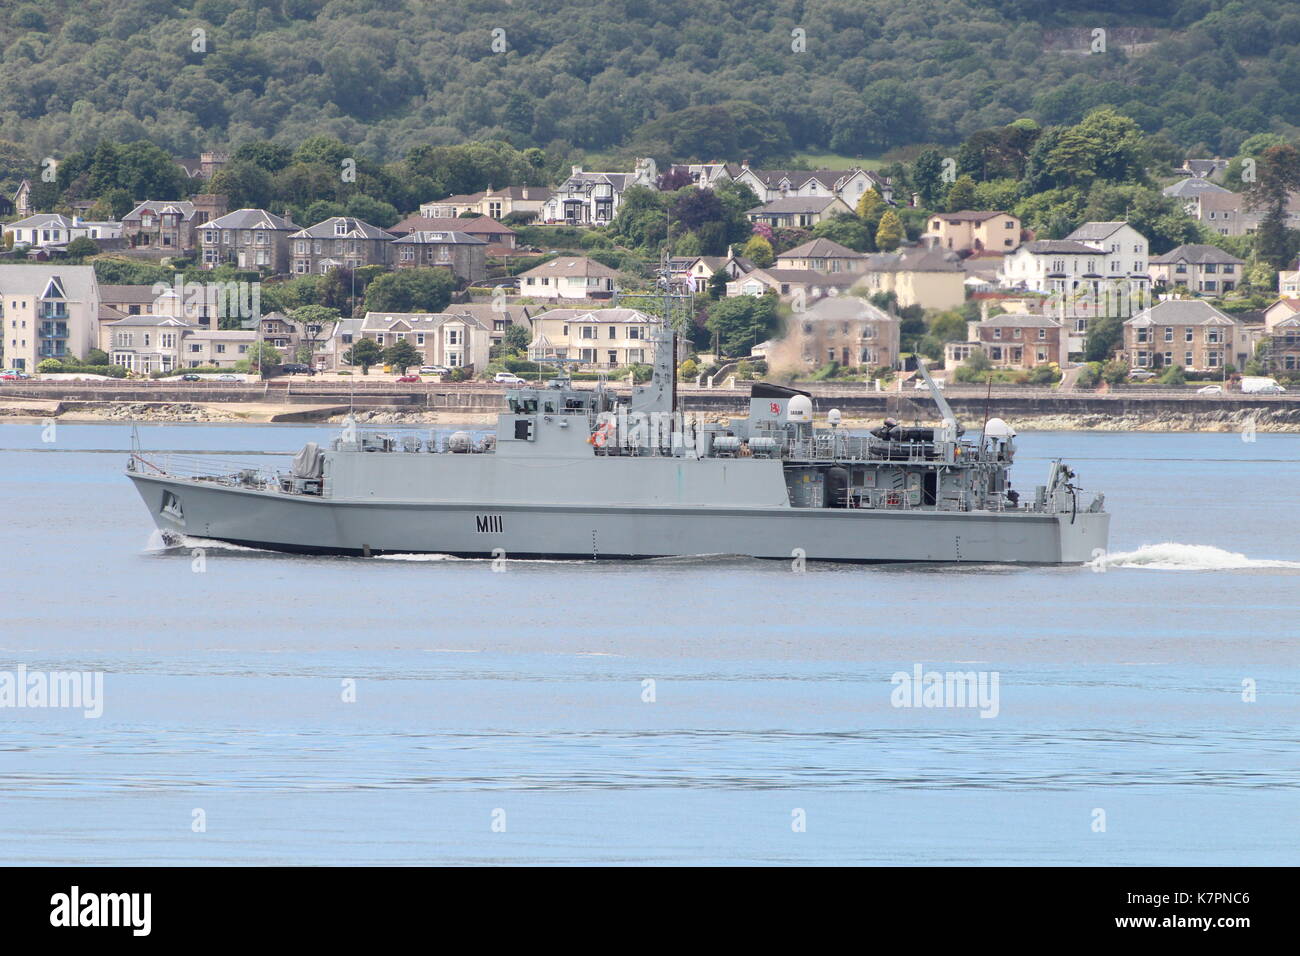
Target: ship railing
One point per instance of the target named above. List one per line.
(860, 448)
(206, 468)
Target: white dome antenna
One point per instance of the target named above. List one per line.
(799, 409)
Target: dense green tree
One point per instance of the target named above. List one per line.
(728, 129)
(846, 229)
(245, 184)
(365, 353)
(1277, 179)
(516, 339)
(401, 355)
(741, 322)
(758, 250)
(410, 290)
(81, 247)
(961, 195)
(1105, 336)
(890, 233)
(927, 177)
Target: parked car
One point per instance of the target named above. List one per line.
(508, 378)
(227, 378)
(13, 375)
(434, 370)
(1210, 390)
(409, 379)
(297, 368)
(1141, 375)
(921, 385)
(191, 377)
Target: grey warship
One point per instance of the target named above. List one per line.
(583, 473)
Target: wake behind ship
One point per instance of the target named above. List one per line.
(581, 474)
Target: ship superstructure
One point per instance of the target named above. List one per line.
(584, 473)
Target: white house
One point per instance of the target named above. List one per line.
(1125, 247)
(568, 277)
(50, 230)
(846, 185)
(1100, 268)
(586, 198)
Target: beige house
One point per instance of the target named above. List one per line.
(793, 285)
(597, 338)
(498, 316)
(917, 275)
(450, 339)
(1288, 283)
(844, 329)
(974, 230)
(1200, 268)
(1282, 333)
(798, 212)
(145, 343)
(822, 255)
(452, 207)
(568, 277)
(1224, 211)
(1013, 341)
(1190, 333)
(47, 311)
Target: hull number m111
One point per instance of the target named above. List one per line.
(489, 524)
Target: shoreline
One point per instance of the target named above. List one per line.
(212, 413)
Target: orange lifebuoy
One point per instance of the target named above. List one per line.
(601, 435)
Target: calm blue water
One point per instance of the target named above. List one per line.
(517, 697)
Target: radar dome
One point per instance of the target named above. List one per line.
(997, 428)
(833, 416)
(799, 409)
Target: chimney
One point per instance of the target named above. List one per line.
(524, 193)
(730, 254)
(575, 170)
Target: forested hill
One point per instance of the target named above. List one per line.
(680, 78)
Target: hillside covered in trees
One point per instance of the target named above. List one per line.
(677, 79)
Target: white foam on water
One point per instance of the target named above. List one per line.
(1172, 556)
(166, 541)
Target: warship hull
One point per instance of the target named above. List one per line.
(608, 531)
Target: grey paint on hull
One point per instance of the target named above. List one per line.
(525, 529)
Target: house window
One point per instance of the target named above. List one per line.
(1169, 333)
(1042, 334)
(1189, 334)
(997, 333)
